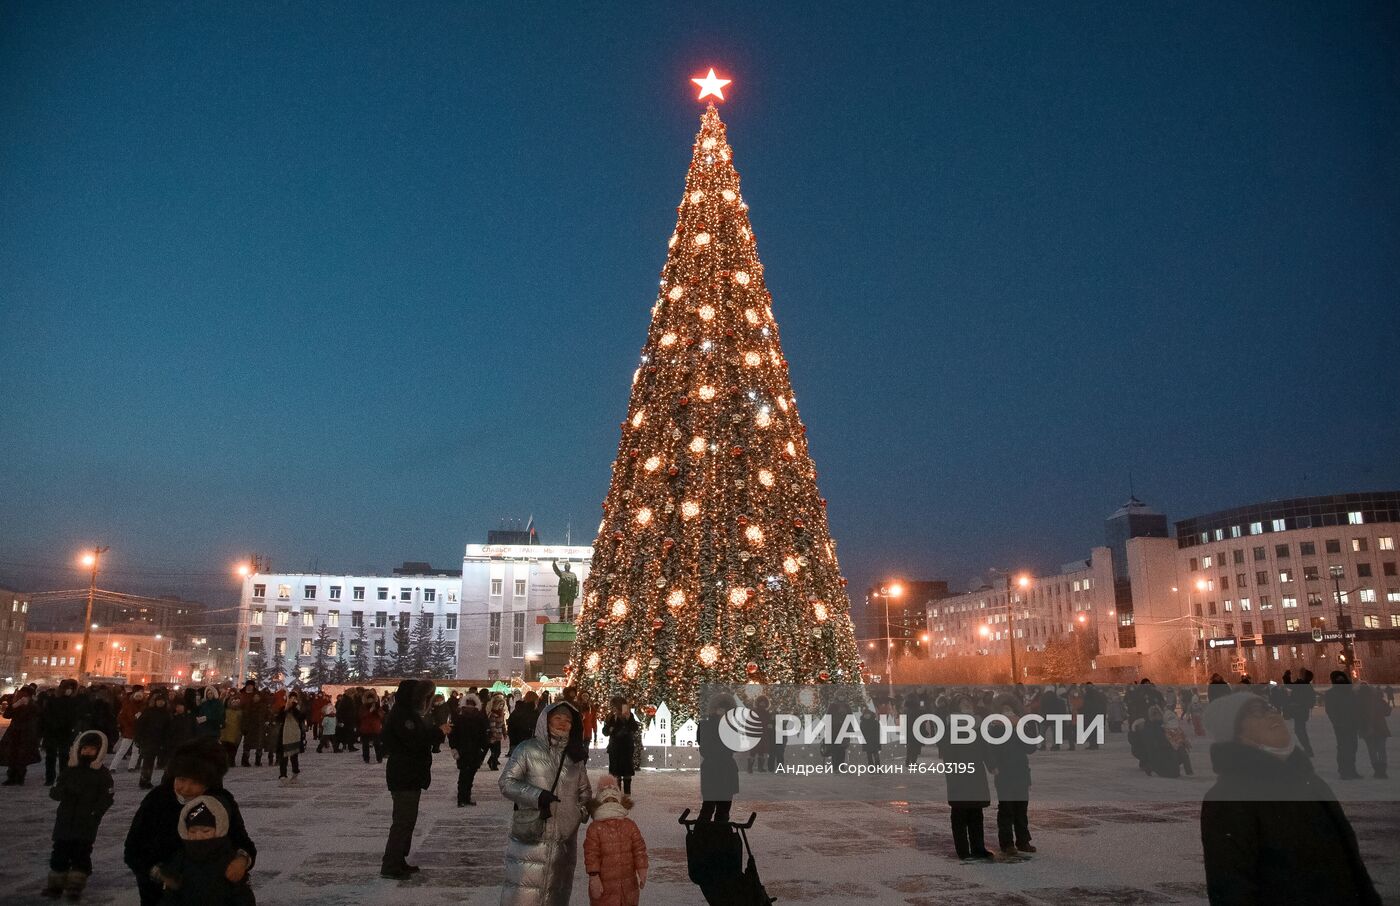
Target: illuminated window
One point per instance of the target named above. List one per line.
(333, 619)
(284, 592)
(1354, 517)
(493, 635)
(1385, 543)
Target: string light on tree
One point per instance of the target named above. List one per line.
(706, 429)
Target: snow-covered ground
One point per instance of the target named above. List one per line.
(320, 840)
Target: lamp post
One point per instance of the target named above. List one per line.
(89, 560)
(1343, 621)
(1023, 582)
(1197, 626)
(893, 590)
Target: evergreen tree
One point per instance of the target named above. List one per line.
(713, 563)
(403, 658)
(256, 664)
(340, 673)
(277, 670)
(441, 665)
(359, 664)
(321, 666)
(421, 651)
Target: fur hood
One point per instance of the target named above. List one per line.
(78, 744)
(214, 805)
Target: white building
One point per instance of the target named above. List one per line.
(509, 592)
(281, 613)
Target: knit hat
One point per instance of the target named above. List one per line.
(1222, 717)
(201, 759)
(203, 811)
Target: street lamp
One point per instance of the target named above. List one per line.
(893, 590)
(1023, 582)
(89, 560)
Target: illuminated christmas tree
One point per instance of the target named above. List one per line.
(713, 563)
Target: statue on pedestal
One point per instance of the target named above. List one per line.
(568, 591)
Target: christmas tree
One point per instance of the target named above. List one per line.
(713, 563)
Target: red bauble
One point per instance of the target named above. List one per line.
(734, 390)
(751, 667)
(602, 623)
(634, 453)
(668, 543)
(843, 581)
(797, 523)
(673, 471)
(617, 536)
(743, 520)
(823, 501)
(736, 451)
(651, 369)
(684, 401)
(729, 331)
(649, 710)
(658, 624)
(823, 676)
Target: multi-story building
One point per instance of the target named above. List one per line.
(281, 614)
(14, 615)
(1288, 584)
(123, 653)
(509, 593)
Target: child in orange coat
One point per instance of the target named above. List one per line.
(614, 853)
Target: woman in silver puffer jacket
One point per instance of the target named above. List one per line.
(543, 847)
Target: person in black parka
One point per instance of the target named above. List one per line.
(19, 747)
(968, 793)
(58, 720)
(621, 729)
(1272, 831)
(520, 726)
(719, 773)
(196, 769)
(408, 744)
(1012, 763)
(84, 793)
(1342, 709)
(468, 739)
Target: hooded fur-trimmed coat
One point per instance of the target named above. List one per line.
(84, 793)
(542, 873)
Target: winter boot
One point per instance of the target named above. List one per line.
(54, 888)
(73, 886)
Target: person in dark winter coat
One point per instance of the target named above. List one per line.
(520, 726)
(254, 722)
(621, 729)
(152, 737)
(196, 769)
(468, 739)
(1272, 831)
(1095, 705)
(1301, 699)
(1372, 711)
(967, 792)
(719, 773)
(870, 735)
(197, 875)
(408, 742)
(371, 728)
(1012, 765)
(1340, 704)
(347, 721)
(19, 748)
(84, 793)
(58, 719)
(1153, 749)
(1217, 687)
(183, 725)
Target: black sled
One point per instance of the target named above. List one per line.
(714, 852)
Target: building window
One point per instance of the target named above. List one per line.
(428, 620)
(1268, 627)
(1354, 517)
(1289, 601)
(1388, 568)
(1368, 595)
(1395, 620)
(283, 614)
(381, 593)
(1224, 583)
(1292, 624)
(1266, 602)
(378, 647)
(1314, 599)
(405, 594)
(305, 646)
(259, 592)
(1205, 564)
(1229, 606)
(1194, 564)
(280, 647)
(517, 637)
(1210, 607)
(520, 588)
(497, 585)
(1279, 525)
(335, 592)
(381, 619)
(284, 592)
(1240, 581)
(1371, 621)
(357, 593)
(308, 617)
(404, 618)
(1256, 528)
(1358, 545)
(451, 621)
(308, 593)
(1260, 553)
(1363, 570)
(1385, 543)
(1261, 578)
(1307, 548)
(333, 619)
(357, 619)
(333, 649)
(255, 643)
(1285, 575)
(1333, 546)
(429, 595)
(1281, 551)
(1319, 623)
(1310, 573)
(1247, 628)
(493, 635)
(256, 617)
(1237, 555)
(1245, 605)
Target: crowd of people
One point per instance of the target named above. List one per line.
(1269, 822)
